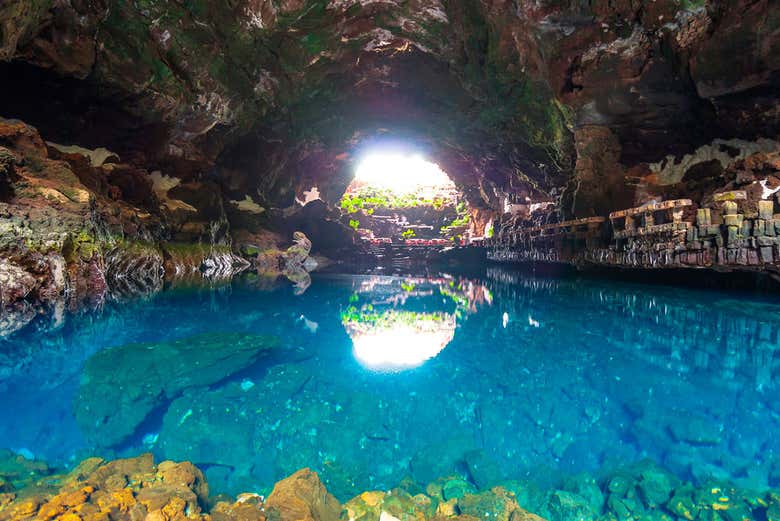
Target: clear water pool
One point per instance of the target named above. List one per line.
(371, 380)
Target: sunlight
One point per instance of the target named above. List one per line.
(401, 173)
(393, 341)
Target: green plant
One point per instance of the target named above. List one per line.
(461, 220)
(408, 234)
(369, 199)
(354, 224)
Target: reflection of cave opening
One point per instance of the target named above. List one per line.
(402, 198)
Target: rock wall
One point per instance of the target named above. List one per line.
(727, 230)
(79, 225)
(225, 115)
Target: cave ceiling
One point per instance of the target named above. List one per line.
(272, 97)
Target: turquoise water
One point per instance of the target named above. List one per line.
(373, 379)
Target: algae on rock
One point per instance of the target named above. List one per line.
(121, 386)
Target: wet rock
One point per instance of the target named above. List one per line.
(302, 497)
(598, 184)
(15, 283)
(566, 506)
(433, 461)
(120, 386)
(18, 471)
(386, 506)
(496, 503)
(528, 494)
(133, 488)
(7, 174)
(297, 264)
(682, 504)
(586, 487)
(655, 487)
(696, 430)
(483, 470)
(247, 507)
(456, 488)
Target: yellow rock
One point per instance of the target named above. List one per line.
(447, 508)
(302, 497)
(372, 498)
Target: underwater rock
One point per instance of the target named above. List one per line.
(191, 422)
(17, 471)
(696, 430)
(385, 506)
(483, 469)
(137, 488)
(567, 506)
(133, 488)
(656, 487)
(302, 497)
(120, 386)
(247, 507)
(585, 486)
(497, 504)
(456, 488)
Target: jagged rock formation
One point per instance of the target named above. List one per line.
(225, 114)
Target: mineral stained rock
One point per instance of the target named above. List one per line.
(133, 488)
(120, 386)
(302, 497)
(137, 488)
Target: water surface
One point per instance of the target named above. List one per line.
(373, 379)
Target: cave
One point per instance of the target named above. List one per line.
(389, 260)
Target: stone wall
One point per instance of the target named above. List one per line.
(735, 233)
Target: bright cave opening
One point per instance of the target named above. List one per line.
(402, 198)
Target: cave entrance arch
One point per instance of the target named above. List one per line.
(399, 197)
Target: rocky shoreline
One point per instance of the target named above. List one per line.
(78, 228)
(138, 488)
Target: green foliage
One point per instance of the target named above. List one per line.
(367, 316)
(407, 286)
(372, 199)
(354, 224)
(462, 220)
(408, 234)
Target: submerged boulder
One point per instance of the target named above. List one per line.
(302, 497)
(121, 386)
(497, 503)
(397, 504)
(132, 488)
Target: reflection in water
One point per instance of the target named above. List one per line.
(378, 378)
(386, 331)
(399, 340)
